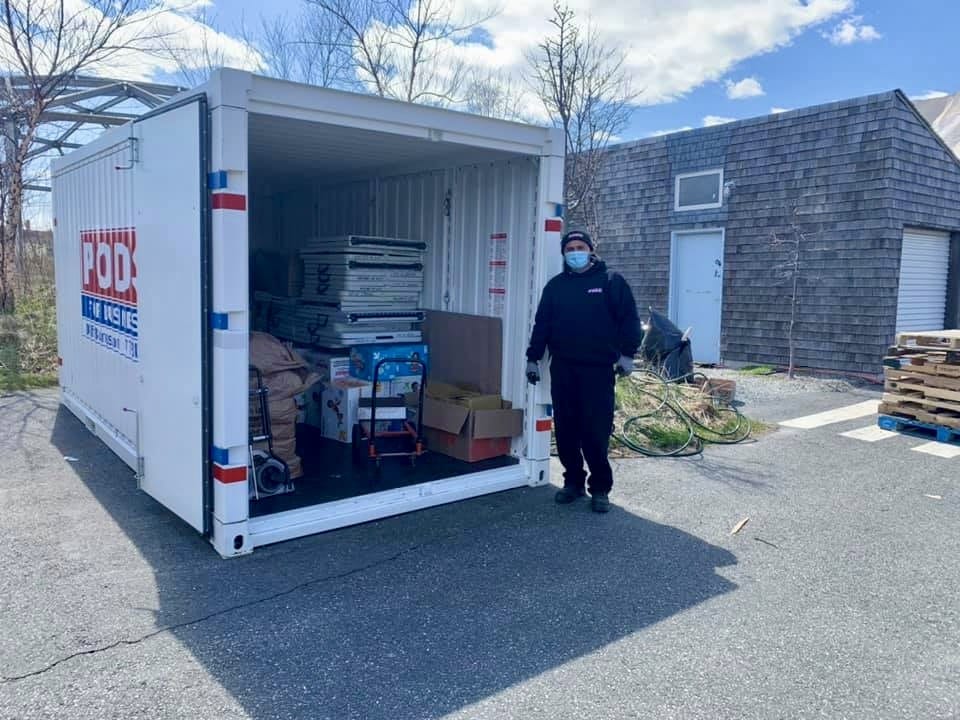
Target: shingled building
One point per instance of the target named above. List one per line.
(858, 201)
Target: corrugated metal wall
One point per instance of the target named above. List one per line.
(484, 200)
(92, 195)
(413, 206)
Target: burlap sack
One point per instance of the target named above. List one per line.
(269, 355)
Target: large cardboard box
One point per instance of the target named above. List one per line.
(470, 435)
(464, 415)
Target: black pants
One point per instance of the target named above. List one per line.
(583, 419)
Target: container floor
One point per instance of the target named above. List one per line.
(331, 474)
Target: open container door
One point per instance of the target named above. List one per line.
(169, 169)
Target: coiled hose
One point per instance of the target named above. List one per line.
(668, 409)
(731, 426)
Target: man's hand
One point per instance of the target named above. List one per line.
(533, 373)
(624, 366)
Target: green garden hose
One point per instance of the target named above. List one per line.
(693, 434)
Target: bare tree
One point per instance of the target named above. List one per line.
(404, 50)
(47, 43)
(312, 47)
(584, 87)
(494, 94)
(796, 243)
(197, 58)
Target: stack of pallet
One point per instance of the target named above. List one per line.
(922, 384)
(356, 290)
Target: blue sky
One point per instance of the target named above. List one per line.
(800, 53)
(916, 52)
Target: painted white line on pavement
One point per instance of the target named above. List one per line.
(939, 449)
(871, 433)
(849, 412)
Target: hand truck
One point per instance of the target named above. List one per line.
(269, 475)
(370, 445)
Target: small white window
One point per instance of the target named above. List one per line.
(699, 191)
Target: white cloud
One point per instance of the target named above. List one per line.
(148, 37)
(852, 30)
(747, 88)
(678, 47)
(661, 133)
(713, 120)
(777, 110)
(930, 95)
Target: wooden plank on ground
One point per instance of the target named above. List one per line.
(939, 340)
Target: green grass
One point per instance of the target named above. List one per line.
(659, 428)
(28, 343)
(18, 382)
(758, 370)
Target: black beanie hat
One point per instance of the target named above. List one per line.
(576, 235)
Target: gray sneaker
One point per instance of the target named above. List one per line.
(600, 503)
(568, 495)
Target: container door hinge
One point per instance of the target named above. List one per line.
(447, 204)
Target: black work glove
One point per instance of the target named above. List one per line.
(533, 373)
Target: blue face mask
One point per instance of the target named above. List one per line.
(577, 259)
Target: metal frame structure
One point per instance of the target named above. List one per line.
(85, 103)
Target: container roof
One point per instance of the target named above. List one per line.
(291, 150)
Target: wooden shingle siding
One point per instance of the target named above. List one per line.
(859, 171)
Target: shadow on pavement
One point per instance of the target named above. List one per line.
(411, 617)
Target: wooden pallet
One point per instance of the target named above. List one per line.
(901, 424)
(915, 411)
(939, 340)
(918, 375)
(904, 395)
(930, 364)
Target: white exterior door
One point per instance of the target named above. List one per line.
(170, 200)
(696, 290)
(924, 263)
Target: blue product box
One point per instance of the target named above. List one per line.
(364, 358)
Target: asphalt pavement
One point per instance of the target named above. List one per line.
(837, 599)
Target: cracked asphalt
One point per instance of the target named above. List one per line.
(838, 599)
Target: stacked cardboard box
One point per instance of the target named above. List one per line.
(464, 413)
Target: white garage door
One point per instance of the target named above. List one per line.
(922, 304)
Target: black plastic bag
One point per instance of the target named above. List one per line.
(665, 348)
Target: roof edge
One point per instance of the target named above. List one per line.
(902, 96)
(888, 94)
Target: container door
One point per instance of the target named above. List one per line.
(169, 171)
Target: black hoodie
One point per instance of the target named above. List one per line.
(587, 318)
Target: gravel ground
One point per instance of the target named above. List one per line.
(761, 389)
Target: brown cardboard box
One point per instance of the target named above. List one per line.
(466, 397)
(464, 415)
(470, 435)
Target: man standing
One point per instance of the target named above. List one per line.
(587, 318)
